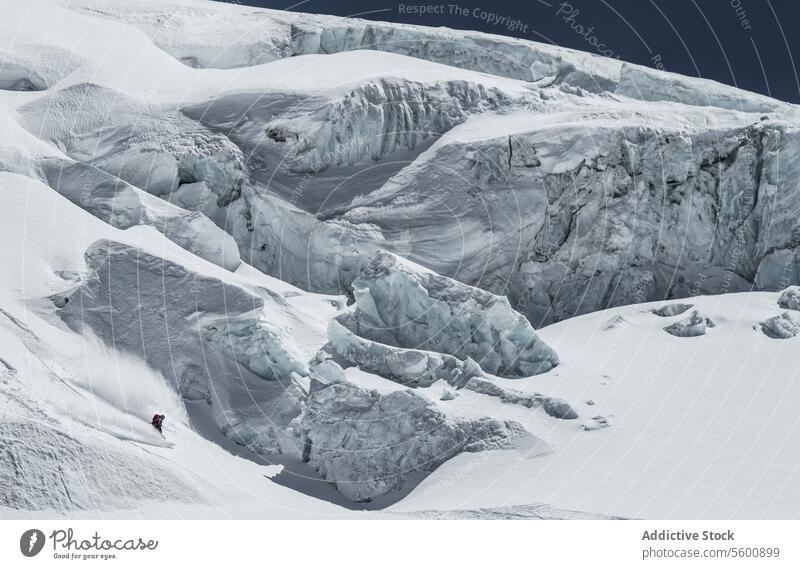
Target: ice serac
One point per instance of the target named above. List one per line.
(378, 118)
(582, 211)
(209, 338)
(369, 444)
(122, 205)
(410, 367)
(402, 304)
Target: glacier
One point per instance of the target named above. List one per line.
(379, 270)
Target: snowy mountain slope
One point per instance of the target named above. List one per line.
(74, 413)
(201, 189)
(133, 300)
(698, 427)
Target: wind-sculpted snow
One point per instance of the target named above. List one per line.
(209, 338)
(370, 444)
(150, 146)
(405, 305)
(244, 36)
(34, 67)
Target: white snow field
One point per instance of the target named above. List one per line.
(382, 270)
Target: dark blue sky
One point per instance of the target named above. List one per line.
(749, 43)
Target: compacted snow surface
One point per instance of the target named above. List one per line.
(383, 270)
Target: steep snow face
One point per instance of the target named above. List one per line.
(150, 146)
(405, 305)
(307, 155)
(370, 444)
(566, 195)
(75, 412)
(209, 338)
(230, 156)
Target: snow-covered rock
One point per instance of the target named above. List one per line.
(405, 305)
(368, 444)
(790, 298)
(448, 395)
(669, 310)
(693, 325)
(783, 326)
(596, 423)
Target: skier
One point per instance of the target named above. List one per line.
(158, 421)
